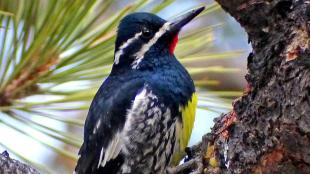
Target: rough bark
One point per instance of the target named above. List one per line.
(11, 166)
(268, 130)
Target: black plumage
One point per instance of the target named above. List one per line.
(165, 86)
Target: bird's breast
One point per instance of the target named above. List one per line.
(149, 134)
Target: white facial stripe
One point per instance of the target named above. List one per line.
(140, 54)
(123, 46)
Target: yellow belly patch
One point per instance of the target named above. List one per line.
(184, 129)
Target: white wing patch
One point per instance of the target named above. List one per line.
(113, 149)
(100, 158)
(97, 126)
(140, 54)
(118, 142)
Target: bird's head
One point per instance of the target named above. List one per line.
(143, 37)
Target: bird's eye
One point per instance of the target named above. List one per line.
(146, 33)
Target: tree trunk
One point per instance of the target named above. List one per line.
(11, 166)
(268, 130)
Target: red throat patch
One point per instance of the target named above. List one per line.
(173, 44)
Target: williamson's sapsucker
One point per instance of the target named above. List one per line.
(143, 114)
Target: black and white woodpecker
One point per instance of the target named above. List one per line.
(143, 114)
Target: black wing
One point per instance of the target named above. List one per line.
(105, 118)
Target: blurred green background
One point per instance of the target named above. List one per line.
(54, 54)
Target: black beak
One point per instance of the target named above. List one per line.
(182, 20)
